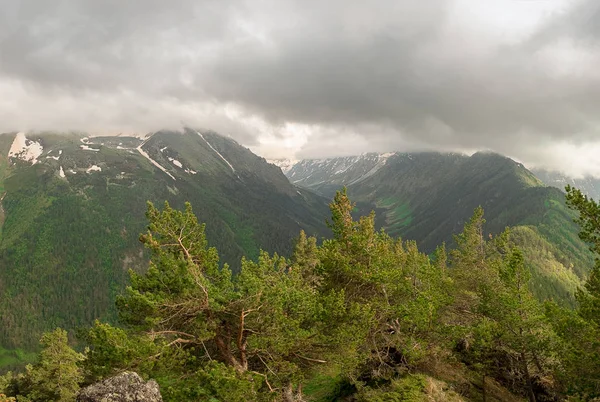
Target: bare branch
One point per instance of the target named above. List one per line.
(309, 359)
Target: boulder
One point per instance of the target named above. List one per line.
(125, 387)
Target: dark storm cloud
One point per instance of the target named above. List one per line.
(423, 80)
(390, 74)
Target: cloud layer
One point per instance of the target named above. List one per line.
(318, 78)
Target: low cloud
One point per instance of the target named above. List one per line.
(314, 78)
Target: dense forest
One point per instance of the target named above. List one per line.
(66, 243)
(361, 316)
(428, 197)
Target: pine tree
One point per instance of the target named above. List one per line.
(581, 334)
(524, 328)
(391, 291)
(589, 222)
(56, 376)
(266, 326)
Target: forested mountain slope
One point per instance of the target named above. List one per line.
(360, 317)
(429, 196)
(73, 209)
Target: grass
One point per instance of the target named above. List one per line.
(398, 214)
(327, 386)
(322, 388)
(12, 358)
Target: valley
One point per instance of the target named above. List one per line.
(428, 197)
(73, 212)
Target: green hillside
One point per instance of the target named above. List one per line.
(360, 317)
(72, 220)
(428, 197)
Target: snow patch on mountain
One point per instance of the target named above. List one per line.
(93, 168)
(87, 148)
(176, 162)
(589, 185)
(54, 157)
(313, 173)
(284, 164)
(217, 152)
(25, 149)
(155, 163)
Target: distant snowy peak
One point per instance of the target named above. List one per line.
(284, 164)
(342, 164)
(588, 185)
(341, 171)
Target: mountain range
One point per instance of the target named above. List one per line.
(73, 208)
(589, 185)
(429, 197)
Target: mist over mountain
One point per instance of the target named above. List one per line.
(589, 185)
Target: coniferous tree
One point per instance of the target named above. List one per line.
(581, 332)
(370, 308)
(55, 377)
(523, 329)
(390, 288)
(589, 222)
(266, 327)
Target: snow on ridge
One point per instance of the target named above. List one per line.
(284, 164)
(348, 169)
(87, 148)
(61, 172)
(24, 149)
(155, 163)
(54, 157)
(217, 152)
(141, 136)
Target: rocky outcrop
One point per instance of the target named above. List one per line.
(125, 387)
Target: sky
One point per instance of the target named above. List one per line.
(315, 79)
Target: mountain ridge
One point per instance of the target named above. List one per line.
(588, 184)
(429, 196)
(73, 214)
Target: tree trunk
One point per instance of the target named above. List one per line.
(289, 396)
(225, 352)
(288, 393)
(530, 394)
(483, 387)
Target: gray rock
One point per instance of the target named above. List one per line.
(125, 387)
